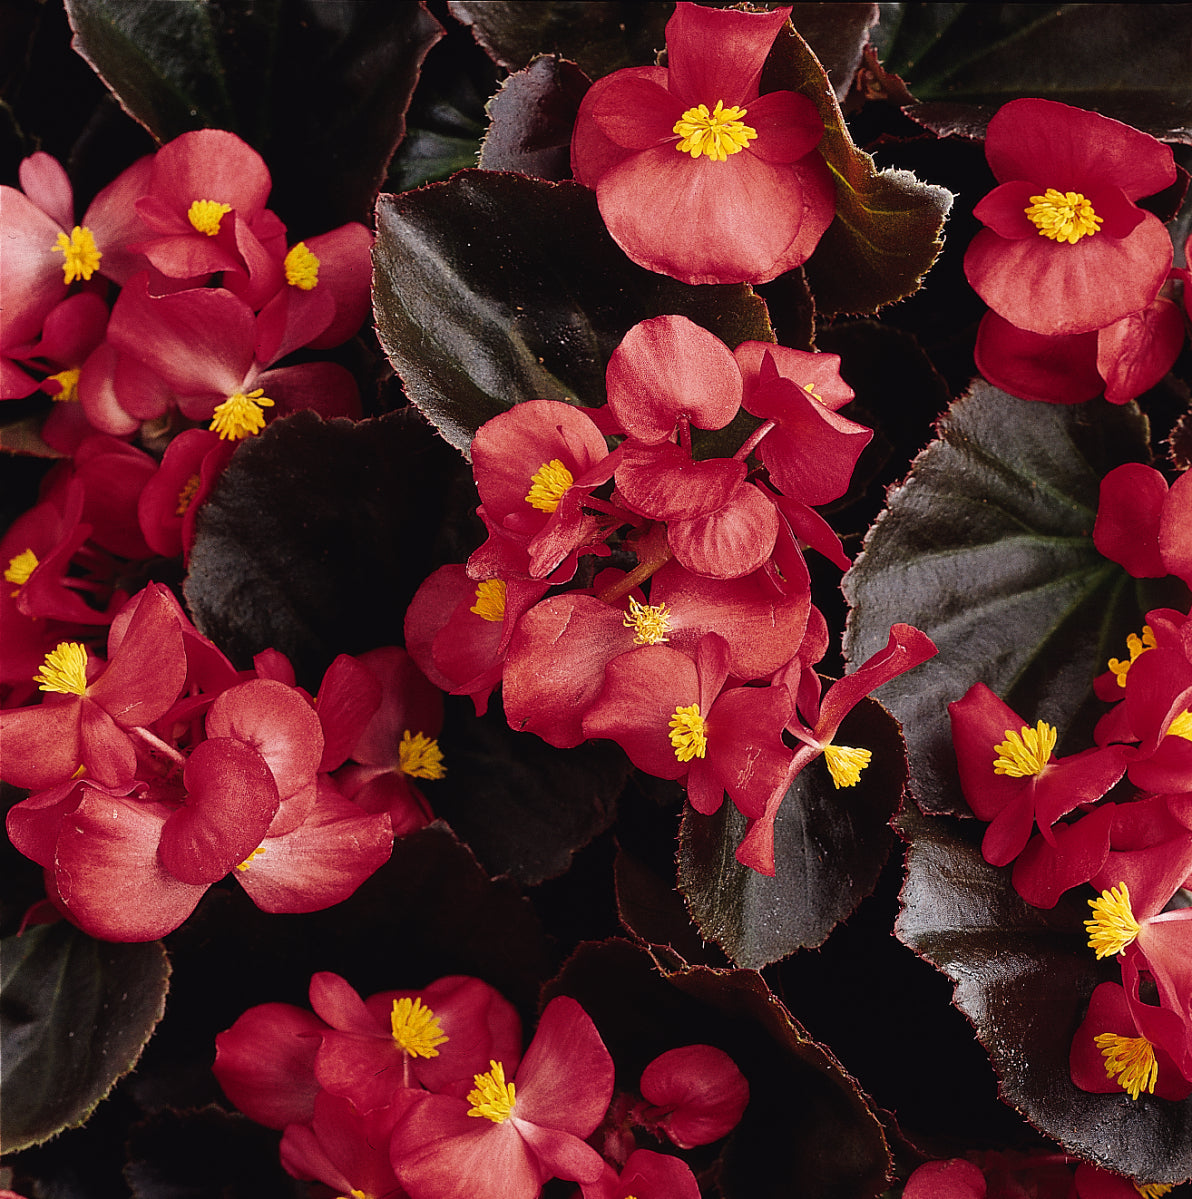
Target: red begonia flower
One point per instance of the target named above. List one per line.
(1072, 855)
(696, 176)
(1175, 529)
(1066, 249)
(645, 1175)
(1128, 516)
(1058, 368)
(510, 1135)
(697, 1095)
(951, 1179)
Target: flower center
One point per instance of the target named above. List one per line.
(64, 670)
(420, 757)
(1131, 1060)
(1136, 646)
(490, 600)
(717, 134)
(1026, 752)
(68, 386)
(205, 215)
(687, 733)
(650, 622)
(492, 1097)
(240, 415)
(1153, 1190)
(302, 268)
(256, 853)
(845, 763)
(1062, 216)
(1181, 726)
(186, 495)
(1113, 926)
(20, 568)
(416, 1028)
(80, 254)
(548, 485)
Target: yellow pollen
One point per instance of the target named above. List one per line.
(256, 853)
(64, 670)
(1113, 926)
(810, 389)
(1153, 1190)
(1181, 726)
(548, 485)
(416, 1028)
(20, 568)
(1136, 646)
(490, 600)
(1131, 1060)
(240, 415)
(302, 268)
(1026, 752)
(186, 495)
(420, 757)
(68, 386)
(650, 622)
(1062, 216)
(355, 1194)
(493, 1097)
(205, 215)
(717, 134)
(80, 254)
(687, 733)
(845, 764)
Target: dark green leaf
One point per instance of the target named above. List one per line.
(491, 289)
(987, 547)
(887, 230)
(807, 1131)
(316, 538)
(963, 61)
(321, 90)
(1023, 977)
(829, 848)
(75, 1014)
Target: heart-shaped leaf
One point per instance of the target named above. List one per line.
(1023, 977)
(987, 547)
(829, 848)
(75, 1014)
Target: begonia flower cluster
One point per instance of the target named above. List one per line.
(159, 770)
(693, 649)
(1116, 816)
(1076, 272)
(431, 1093)
(175, 300)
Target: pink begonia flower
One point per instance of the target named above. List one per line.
(697, 1095)
(1066, 249)
(1011, 780)
(645, 1175)
(696, 175)
(171, 499)
(511, 1134)
(265, 1063)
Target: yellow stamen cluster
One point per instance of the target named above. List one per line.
(64, 670)
(687, 733)
(490, 600)
(845, 764)
(492, 1097)
(650, 622)
(186, 495)
(809, 388)
(302, 268)
(79, 252)
(1063, 216)
(1113, 926)
(20, 568)
(1135, 645)
(240, 415)
(548, 485)
(416, 1028)
(1181, 726)
(256, 853)
(1131, 1060)
(205, 215)
(420, 757)
(1153, 1190)
(355, 1194)
(68, 386)
(717, 134)
(1026, 752)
